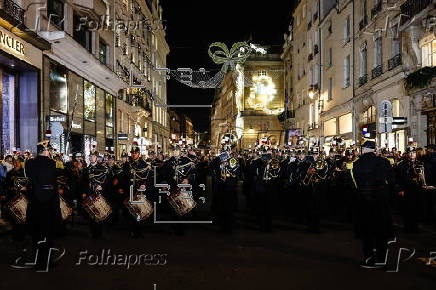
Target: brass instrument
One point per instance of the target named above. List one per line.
(272, 170)
(20, 184)
(314, 172)
(229, 168)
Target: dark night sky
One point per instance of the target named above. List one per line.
(192, 25)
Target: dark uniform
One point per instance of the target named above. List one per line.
(43, 211)
(372, 176)
(137, 173)
(227, 175)
(410, 182)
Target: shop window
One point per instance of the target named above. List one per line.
(89, 100)
(58, 88)
(109, 110)
(429, 54)
(369, 116)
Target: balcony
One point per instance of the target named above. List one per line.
(377, 71)
(13, 10)
(412, 7)
(363, 80)
(315, 49)
(363, 23)
(394, 62)
(377, 8)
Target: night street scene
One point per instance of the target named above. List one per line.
(199, 144)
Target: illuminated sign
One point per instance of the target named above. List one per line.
(56, 118)
(11, 43)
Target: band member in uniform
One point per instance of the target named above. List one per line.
(138, 175)
(15, 183)
(315, 169)
(372, 175)
(410, 180)
(98, 182)
(268, 185)
(229, 174)
(43, 211)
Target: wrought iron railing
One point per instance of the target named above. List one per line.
(13, 10)
(376, 9)
(377, 71)
(363, 79)
(394, 61)
(412, 7)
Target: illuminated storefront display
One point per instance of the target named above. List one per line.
(262, 95)
(89, 100)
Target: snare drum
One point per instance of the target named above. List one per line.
(140, 209)
(17, 207)
(97, 207)
(66, 211)
(181, 202)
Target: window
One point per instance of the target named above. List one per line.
(103, 51)
(262, 73)
(89, 100)
(58, 88)
(55, 10)
(330, 90)
(81, 33)
(363, 61)
(429, 54)
(330, 57)
(369, 116)
(347, 30)
(395, 49)
(347, 71)
(109, 110)
(378, 52)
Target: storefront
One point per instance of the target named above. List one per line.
(20, 76)
(85, 110)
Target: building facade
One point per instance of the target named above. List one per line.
(356, 80)
(248, 103)
(84, 71)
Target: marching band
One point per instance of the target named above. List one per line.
(348, 184)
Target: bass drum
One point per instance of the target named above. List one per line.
(97, 207)
(17, 207)
(181, 202)
(140, 208)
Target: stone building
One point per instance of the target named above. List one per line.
(249, 101)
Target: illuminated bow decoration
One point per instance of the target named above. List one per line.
(238, 54)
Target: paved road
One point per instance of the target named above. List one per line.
(288, 258)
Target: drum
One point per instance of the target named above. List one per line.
(97, 207)
(140, 210)
(66, 211)
(181, 202)
(17, 207)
